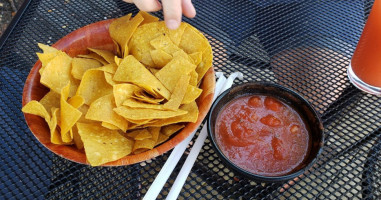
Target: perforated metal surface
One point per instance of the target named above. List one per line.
(304, 45)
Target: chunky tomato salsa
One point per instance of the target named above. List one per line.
(262, 135)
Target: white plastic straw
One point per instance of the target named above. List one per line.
(177, 152)
(189, 162)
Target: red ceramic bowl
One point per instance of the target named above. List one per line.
(96, 35)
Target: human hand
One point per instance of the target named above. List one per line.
(173, 9)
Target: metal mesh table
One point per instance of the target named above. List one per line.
(304, 45)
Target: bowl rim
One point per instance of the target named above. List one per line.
(75, 155)
(244, 172)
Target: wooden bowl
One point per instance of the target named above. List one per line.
(96, 35)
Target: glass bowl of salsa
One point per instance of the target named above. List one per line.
(265, 131)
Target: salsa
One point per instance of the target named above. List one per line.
(262, 135)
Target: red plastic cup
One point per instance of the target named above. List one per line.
(364, 71)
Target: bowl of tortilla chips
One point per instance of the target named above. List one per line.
(119, 91)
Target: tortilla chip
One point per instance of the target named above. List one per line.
(109, 79)
(143, 145)
(170, 74)
(109, 126)
(110, 68)
(118, 50)
(196, 57)
(76, 101)
(164, 43)
(55, 136)
(206, 63)
(140, 46)
(191, 94)
(77, 138)
(138, 151)
(134, 133)
(123, 91)
(121, 32)
(118, 60)
(142, 96)
(148, 99)
(152, 70)
(126, 50)
(139, 121)
(103, 145)
(148, 18)
(51, 100)
(118, 27)
(162, 138)
(56, 74)
(74, 83)
(48, 54)
(45, 58)
(194, 78)
(69, 116)
(178, 93)
(46, 48)
(160, 58)
(83, 109)
(36, 108)
(143, 113)
(176, 35)
(102, 110)
(81, 65)
(95, 57)
(108, 56)
(132, 71)
(171, 129)
(143, 134)
(155, 131)
(191, 116)
(134, 124)
(91, 90)
(192, 41)
(133, 103)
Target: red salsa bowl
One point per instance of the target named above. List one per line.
(265, 132)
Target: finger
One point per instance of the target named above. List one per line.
(147, 5)
(188, 8)
(129, 1)
(172, 13)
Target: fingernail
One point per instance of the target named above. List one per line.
(158, 4)
(172, 24)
